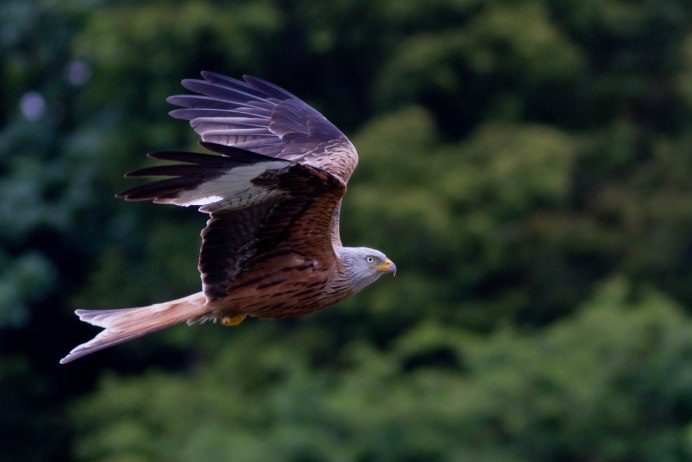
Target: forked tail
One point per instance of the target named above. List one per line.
(129, 323)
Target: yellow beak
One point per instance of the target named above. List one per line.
(387, 267)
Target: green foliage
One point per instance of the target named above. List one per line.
(29, 279)
(525, 163)
(610, 384)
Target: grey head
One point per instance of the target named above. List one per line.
(363, 266)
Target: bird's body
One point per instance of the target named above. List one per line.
(301, 285)
(271, 247)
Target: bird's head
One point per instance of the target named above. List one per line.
(366, 265)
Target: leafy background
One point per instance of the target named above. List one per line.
(526, 163)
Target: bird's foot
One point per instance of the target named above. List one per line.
(230, 321)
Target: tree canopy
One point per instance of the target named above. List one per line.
(525, 163)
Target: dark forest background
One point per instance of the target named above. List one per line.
(526, 163)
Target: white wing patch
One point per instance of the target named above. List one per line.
(232, 190)
(200, 201)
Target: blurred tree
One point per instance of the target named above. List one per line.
(514, 155)
(609, 384)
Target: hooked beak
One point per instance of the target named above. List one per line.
(387, 267)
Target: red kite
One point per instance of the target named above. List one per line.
(273, 190)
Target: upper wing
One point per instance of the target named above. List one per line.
(259, 205)
(259, 116)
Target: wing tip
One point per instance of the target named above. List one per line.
(210, 75)
(180, 114)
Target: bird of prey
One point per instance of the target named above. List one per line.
(272, 188)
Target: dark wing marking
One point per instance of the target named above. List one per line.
(212, 182)
(259, 205)
(299, 222)
(228, 240)
(261, 117)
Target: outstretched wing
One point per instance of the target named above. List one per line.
(259, 206)
(261, 117)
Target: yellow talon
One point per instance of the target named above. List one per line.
(230, 321)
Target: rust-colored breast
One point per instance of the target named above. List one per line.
(284, 284)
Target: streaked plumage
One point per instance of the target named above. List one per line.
(273, 189)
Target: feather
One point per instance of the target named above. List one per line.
(261, 117)
(129, 323)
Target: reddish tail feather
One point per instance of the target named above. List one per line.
(129, 323)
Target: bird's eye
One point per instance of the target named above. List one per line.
(370, 259)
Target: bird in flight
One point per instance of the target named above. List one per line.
(272, 188)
